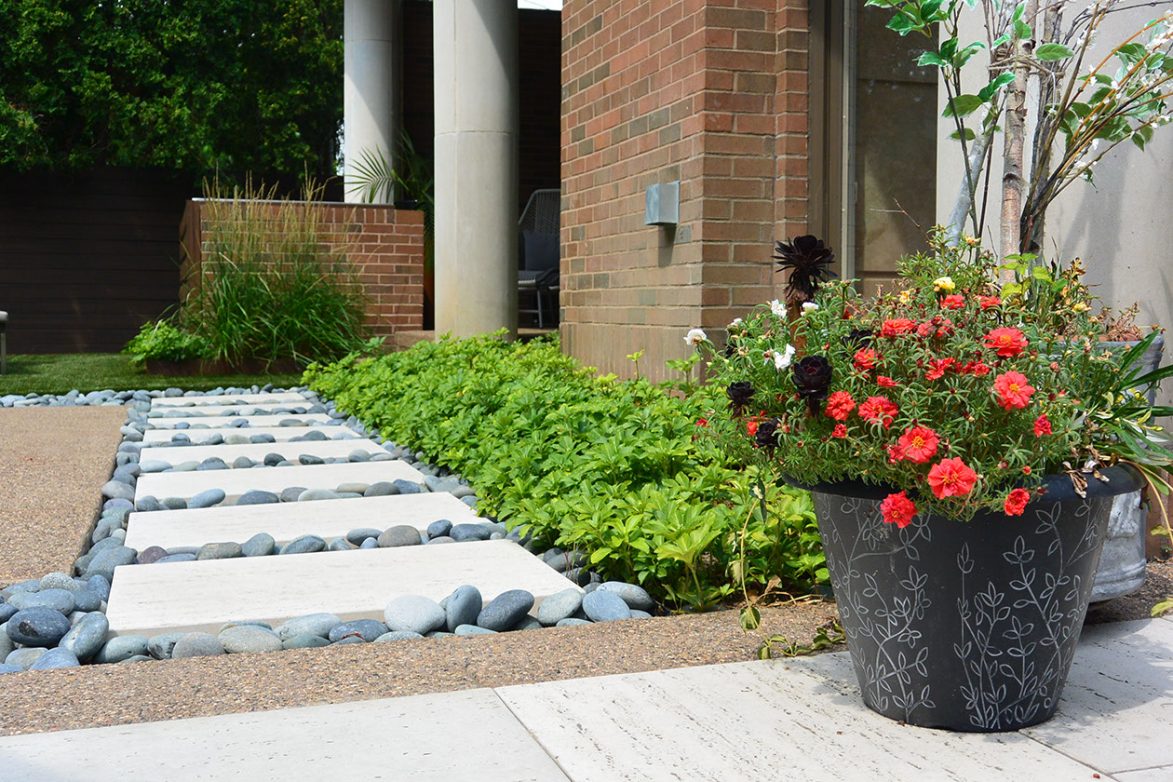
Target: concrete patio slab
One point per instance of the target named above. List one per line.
(214, 421)
(413, 738)
(228, 399)
(355, 584)
(258, 451)
(1117, 703)
(286, 521)
(752, 721)
(274, 479)
(766, 720)
(162, 437)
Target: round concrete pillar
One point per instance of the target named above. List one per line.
(476, 105)
(370, 93)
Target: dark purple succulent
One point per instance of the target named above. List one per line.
(740, 394)
(812, 378)
(765, 437)
(808, 261)
(858, 338)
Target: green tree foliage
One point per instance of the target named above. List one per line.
(232, 86)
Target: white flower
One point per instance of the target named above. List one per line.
(695, 337)
(736, 322)
(781, 360)
(778, 308)
(809, 306)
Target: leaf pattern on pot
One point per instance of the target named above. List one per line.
(1014, 634)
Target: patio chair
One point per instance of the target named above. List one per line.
(540, 252)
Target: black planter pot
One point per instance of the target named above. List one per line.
(967, 626)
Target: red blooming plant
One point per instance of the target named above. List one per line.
(955, 392)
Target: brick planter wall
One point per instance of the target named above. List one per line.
(712, 93)
(385, 244)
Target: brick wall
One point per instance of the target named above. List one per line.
(386, 245)
(709, 92)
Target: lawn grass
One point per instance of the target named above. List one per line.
(61, 373)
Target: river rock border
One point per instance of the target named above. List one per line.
(59, 621)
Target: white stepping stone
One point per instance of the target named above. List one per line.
(355, 584)
(228, 399)
(254, 421)
(162, 437)
(257, 451)
(274, 479)
(285, 521)
(268, 408)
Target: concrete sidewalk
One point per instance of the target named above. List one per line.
(783, 719)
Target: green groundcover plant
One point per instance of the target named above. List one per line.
(957, 393)
(162, 340)
(614, 469)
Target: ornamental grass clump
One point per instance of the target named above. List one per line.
(955, 392)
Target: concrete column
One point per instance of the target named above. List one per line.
(371, 76)
(476, 165)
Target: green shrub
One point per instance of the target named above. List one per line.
(270, 288)
(162, 341)
(613, 468)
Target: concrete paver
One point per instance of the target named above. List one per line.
(257, 451)
(274, 479)
(213, 421)
(263, 408)
(162, 437)
(286, 521)
(269, 397)
(355, 584)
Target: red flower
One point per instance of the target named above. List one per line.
(1006, 342)
(898, 509)
(951, 478)
(1016, 502)
(1013, 390)
(1042, 426)
(918, 444)
(989, 302)
(954, 301)
(939, 366)
(839, 405)
(751, 428)
(883, 381)
(702, 422)
(878, 408)
(975, 368)
(865, 359)
(840, 431)
(924, 330)
(894, 327)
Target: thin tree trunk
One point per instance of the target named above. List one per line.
(1014, 128)
(963, 205)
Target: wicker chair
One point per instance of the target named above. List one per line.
(540, 252)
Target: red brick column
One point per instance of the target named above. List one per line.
(708, 92)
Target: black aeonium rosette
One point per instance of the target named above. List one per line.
(812, 378)
(740, 394)
(809, 262)
(765, 435)
(859, 338)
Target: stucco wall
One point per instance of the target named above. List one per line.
(1122, 227)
